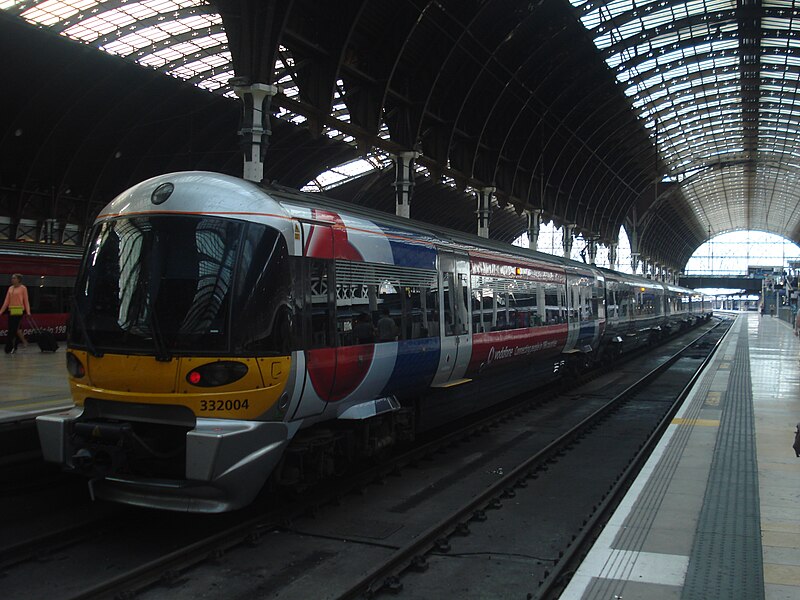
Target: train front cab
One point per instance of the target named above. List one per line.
(179, 363)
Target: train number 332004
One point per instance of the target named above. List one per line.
(213, 405)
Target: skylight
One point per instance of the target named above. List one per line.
(688, 68)
(183, 38)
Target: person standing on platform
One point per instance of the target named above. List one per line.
(387, 328)
(363, 330)
(17, 304)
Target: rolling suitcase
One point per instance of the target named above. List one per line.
(45, 339)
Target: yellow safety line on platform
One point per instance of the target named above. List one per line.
(699, 422)
(776, 574)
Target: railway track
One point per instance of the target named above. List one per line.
(413, 558)
(217, 538)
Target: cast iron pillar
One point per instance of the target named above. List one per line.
(484, 196)
(567, 238)
(612, 255)
(404, 182)
(255, 129)
(591, 250)
(534, 224)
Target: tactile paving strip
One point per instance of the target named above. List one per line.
(726, 554)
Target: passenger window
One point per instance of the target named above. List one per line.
(382, 303)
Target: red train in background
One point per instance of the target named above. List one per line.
(49, 273)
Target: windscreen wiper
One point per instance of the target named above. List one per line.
(162, 353)
(85, 331)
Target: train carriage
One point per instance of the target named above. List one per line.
(215, 321)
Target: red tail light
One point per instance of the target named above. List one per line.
(217, 373)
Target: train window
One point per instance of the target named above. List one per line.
(499, 304)
(160, 284)
(455, 290)
(485, 303)
(263, 314)
(612, 307)
(555, 303)
(318, 304)
(525, 297)
(366, 292)
(623, 300)
(598, 301)
(581, 305)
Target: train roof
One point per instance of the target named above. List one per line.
(442, 235)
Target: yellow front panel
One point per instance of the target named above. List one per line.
(144, 380)
(128, 373)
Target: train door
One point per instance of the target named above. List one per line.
(573, 311)
(455, 318)
(316, 365)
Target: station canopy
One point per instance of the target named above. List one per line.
(679, 120)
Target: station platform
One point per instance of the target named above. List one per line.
(32, 383)
(715, 513)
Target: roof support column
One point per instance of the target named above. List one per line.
(484, 211)
(404, 182)
(634, 240)
(567, 237)
(612, 255)
(534, 223)
(591, 250)
(50, 231)
(255, 129)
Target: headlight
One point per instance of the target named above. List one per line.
(75, 366)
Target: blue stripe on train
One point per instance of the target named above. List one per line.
(414, 250)
(416, 364)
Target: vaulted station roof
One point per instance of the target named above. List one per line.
(715, 82)
(677, 119)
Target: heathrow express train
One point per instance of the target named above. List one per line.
(215, 321)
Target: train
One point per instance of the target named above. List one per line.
(226, 337)
(49, 273)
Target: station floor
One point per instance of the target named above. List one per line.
(31, 383)
(715, 513)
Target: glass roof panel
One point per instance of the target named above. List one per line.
(684, 65)
(182, 37)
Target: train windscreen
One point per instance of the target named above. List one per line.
(168, 284)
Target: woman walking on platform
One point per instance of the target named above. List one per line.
(17, 304)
